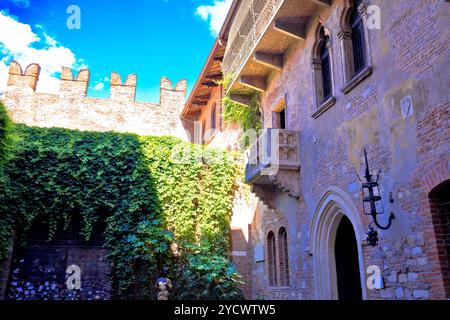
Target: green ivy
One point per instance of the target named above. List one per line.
(7, 137)
(248, 117)
(154, 203)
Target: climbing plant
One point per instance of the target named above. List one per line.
(7, 142)
(248, 117)
(168, 203)
(7, 137)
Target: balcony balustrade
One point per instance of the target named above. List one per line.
(273, 150)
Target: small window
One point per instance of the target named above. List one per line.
(279, 119)
(284, 257)
(203, 133)
(272, 259)
(283, 119)
(213, 118)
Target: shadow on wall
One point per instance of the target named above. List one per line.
(113, 204)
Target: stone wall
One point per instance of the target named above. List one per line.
(410, 60)
(72, 109)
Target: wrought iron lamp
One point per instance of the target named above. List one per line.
(372, 203)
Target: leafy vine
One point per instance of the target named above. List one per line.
(160, 212)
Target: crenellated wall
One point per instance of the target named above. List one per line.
(72, 109)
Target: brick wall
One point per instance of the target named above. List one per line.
(72, 109)
(409, 59)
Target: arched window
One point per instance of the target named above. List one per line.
(322, 72)
(284, 257)
(358, 42)
(272, 259)
(325, 66)
(354, 44)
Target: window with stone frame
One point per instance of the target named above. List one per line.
(279, 120)
(203, 134)
(355, 45)
(322, 72)
(283, 257)
(272, 259)
(358, 45)
(213, 118)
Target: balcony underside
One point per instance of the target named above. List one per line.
(263, 175)
(258, 58)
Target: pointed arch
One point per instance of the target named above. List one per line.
(355, 43)
(322, 66)
(332, 207)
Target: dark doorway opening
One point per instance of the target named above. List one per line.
(38, 269)
(283, 119)
(347, 263)
(440, 211)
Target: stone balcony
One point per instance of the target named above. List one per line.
(273, 152)
(261, 36)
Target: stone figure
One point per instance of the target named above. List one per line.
(163, 285)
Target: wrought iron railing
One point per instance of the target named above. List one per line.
(274, 150)
(258, 18)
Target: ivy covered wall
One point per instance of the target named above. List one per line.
(6, 135)
(168, 203)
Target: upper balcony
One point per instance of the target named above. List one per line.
(261, 35)
(274, 150)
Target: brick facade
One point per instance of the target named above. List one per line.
(407, 64)
(408, 60)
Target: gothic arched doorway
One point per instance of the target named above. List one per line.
(347, 264)
(440, 211)
(335, 242)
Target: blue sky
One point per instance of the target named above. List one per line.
(151, 38)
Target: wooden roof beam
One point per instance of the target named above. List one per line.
(203, 97)
(255, 83)
(293, 27)
(271, 60)
(217, 76)
(210, 84)
(199, 103)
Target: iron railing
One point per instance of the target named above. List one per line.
(259, 16)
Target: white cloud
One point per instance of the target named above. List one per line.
(214, 14)
(99, 86)
(21, 3)
(17, 42)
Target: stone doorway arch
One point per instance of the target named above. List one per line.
(334, 205)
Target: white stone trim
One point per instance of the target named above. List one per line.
(333, 205)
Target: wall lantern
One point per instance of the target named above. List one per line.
(372, 203)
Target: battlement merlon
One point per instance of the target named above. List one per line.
(122, 92)
(76, 88)
(71, 87)
(173, 96)
(27, 79)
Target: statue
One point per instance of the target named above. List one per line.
(163, 285)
